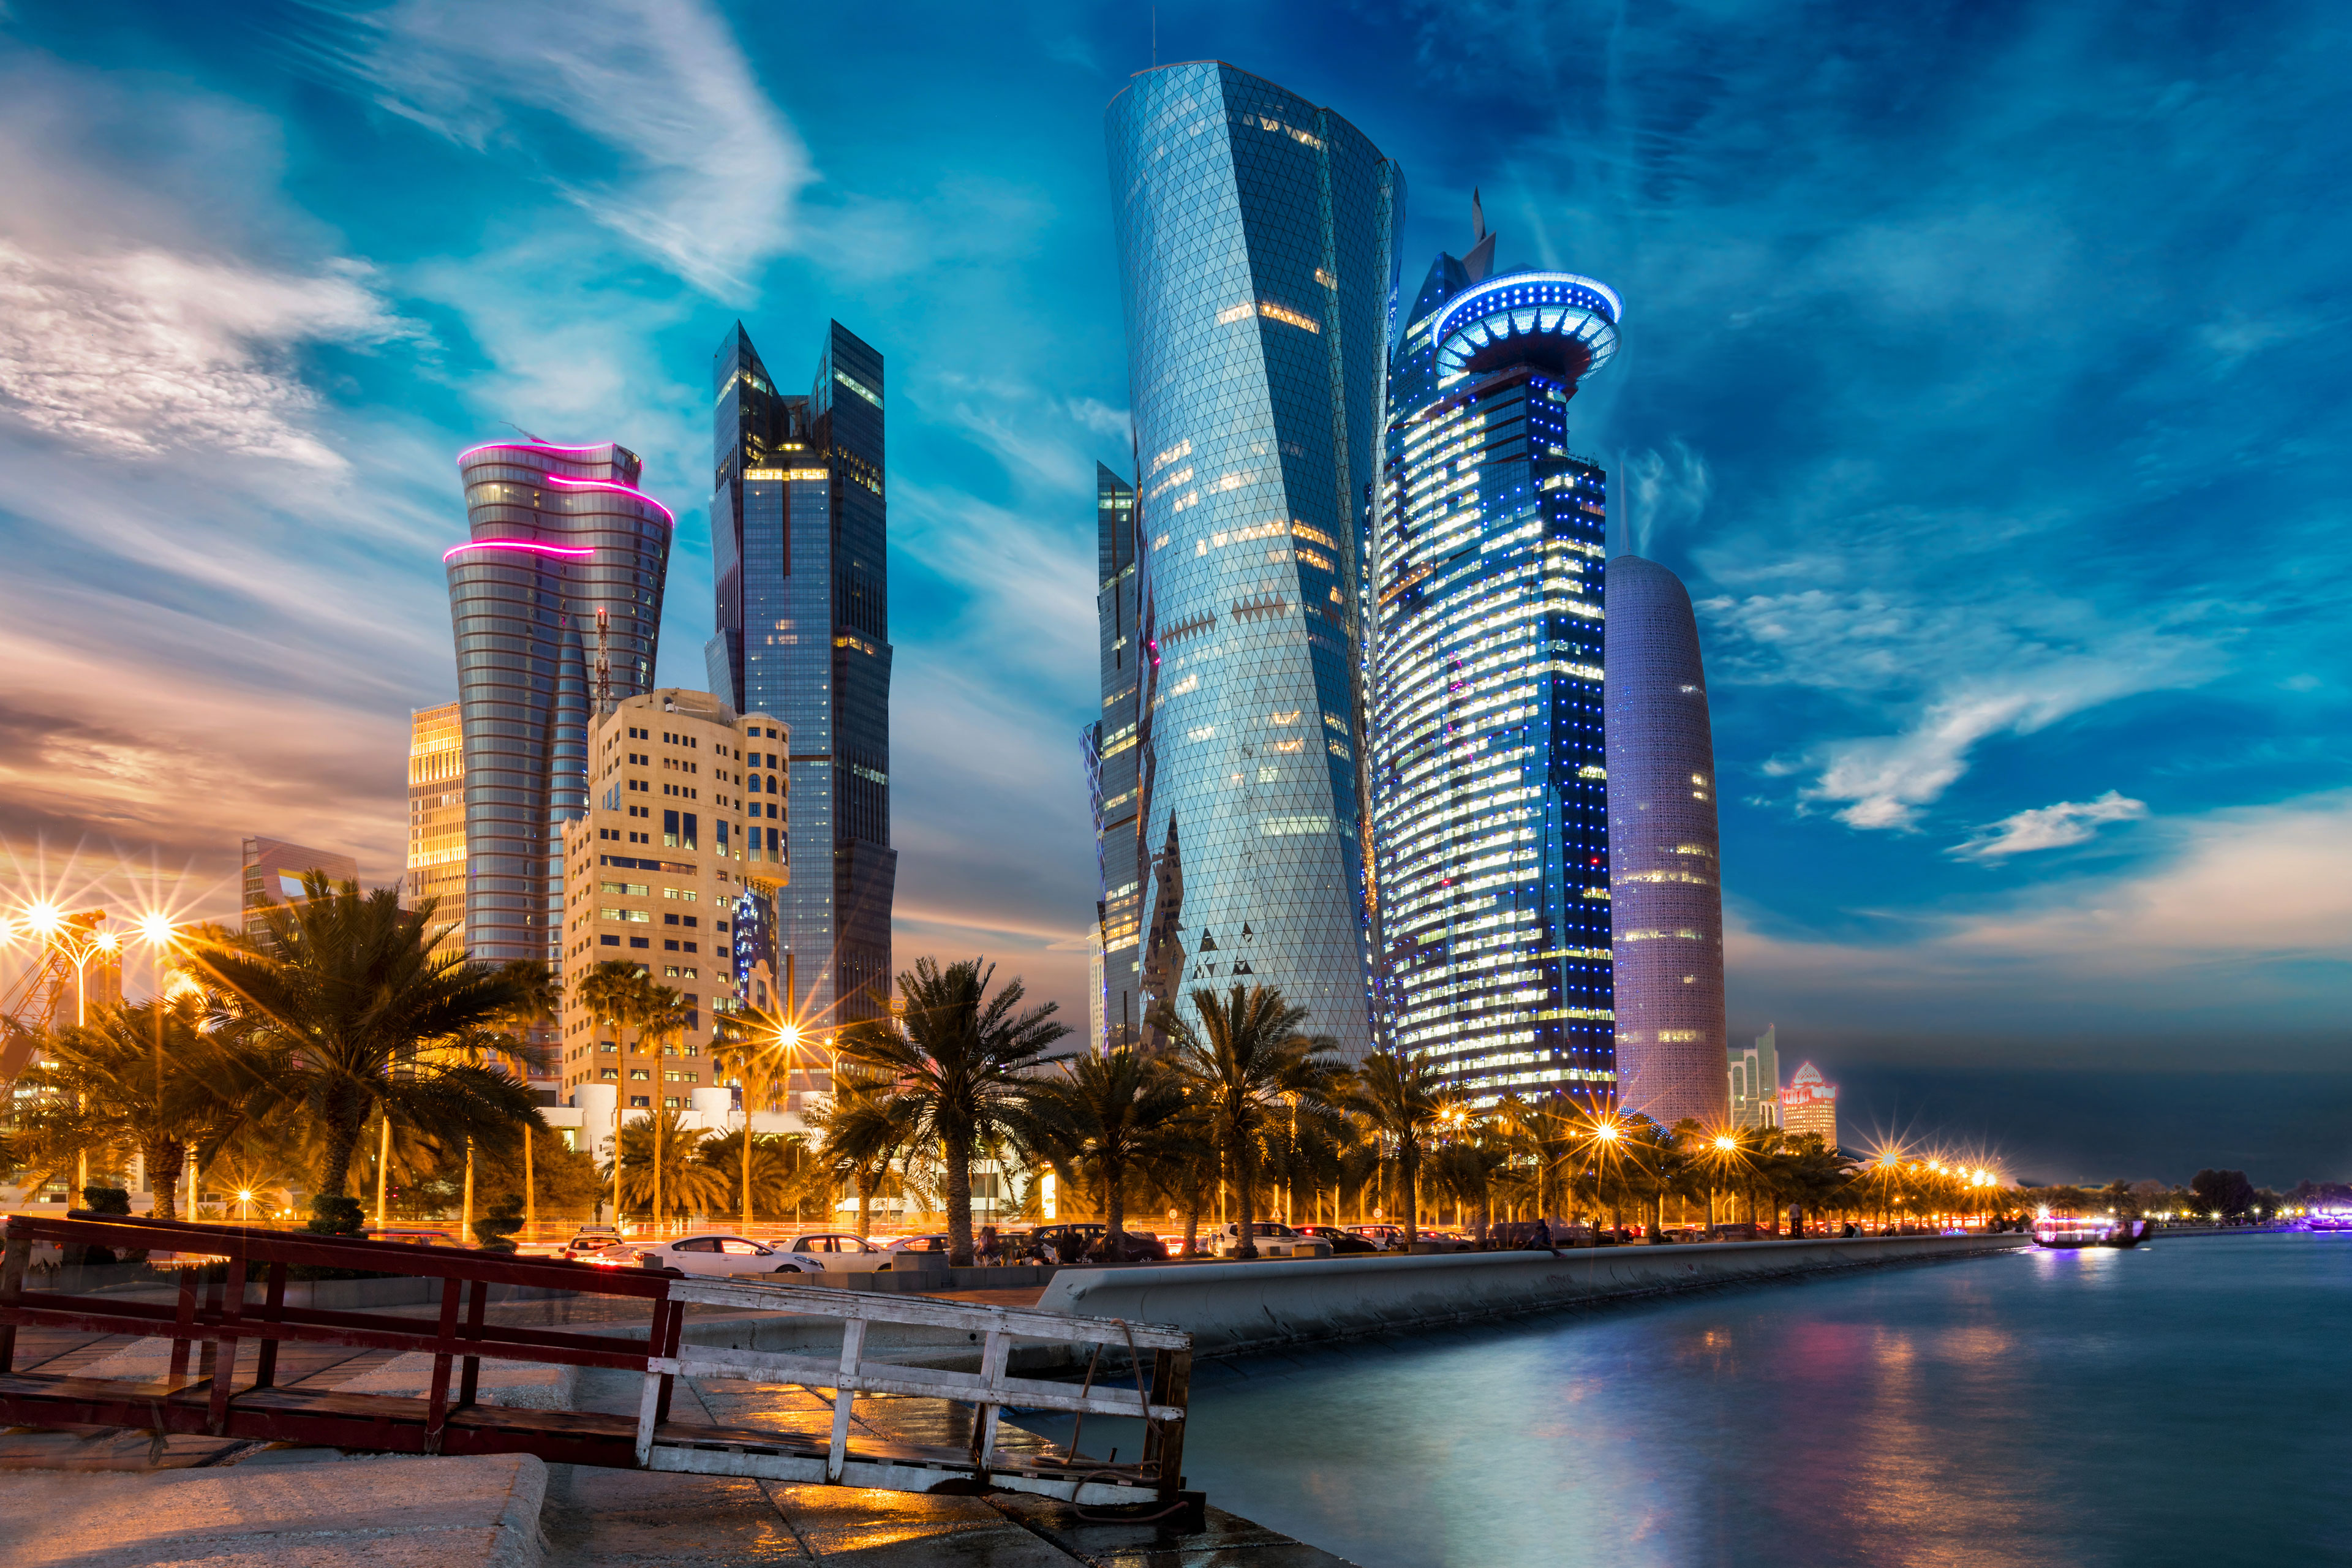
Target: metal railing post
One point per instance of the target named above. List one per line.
(844, 1398)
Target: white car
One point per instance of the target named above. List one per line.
(920, 1244)
(718, 1257)
(831, 1249)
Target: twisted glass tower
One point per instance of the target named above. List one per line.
(1667, 876)
(1256, 237)
(556, 603)
(1488, 784)
(798, 540)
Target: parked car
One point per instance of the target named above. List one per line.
(1083, 1243)
(592, 1238)
(927, 1251)
(1387, 1238)
(718, 1257)
(1343, 1242)
(1272, 1239)
(832, 1250)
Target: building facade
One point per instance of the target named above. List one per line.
(1666, 869)
(437, 822)
(1258, 246)
(1808, 1104)
(556, 603)
(799, 538)
(664, 872)
(274, 871)
(1489, 788)
(1756, 1081)
(1113, 773)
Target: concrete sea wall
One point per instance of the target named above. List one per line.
(1230, 1308)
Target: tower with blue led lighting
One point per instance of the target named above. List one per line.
(1256, 237)
(1488, 773)
(556, 603)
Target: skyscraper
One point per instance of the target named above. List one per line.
(274, 871)
(1490, 801)
(1809, 1105)
(1257, 248)
(798, 529)
(1665, 876)
(436, 821)
(1755, 1072)
(664, 875)
(1113, 774)
(556, 602)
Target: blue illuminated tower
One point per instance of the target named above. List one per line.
(1490, 812)
(1256, 237)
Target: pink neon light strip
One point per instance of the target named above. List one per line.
(563, 550)
(618, 490)
(527, 447)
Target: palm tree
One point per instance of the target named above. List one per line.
(663, 1171)
(661, 1017)
(866, 1128)
(343, 988)
(616, 994)
(1400, 1098)
(1110, 1112)
(780, 1169)
(762, 1049)
(1239, 1059)
(144, 1075)
(956, 1065)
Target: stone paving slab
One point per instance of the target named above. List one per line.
(381, 1513)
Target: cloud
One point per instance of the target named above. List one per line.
(1664, 492)
(1961, 667)
(146, 352)
(2050, 826)
(708, 170)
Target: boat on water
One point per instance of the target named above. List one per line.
(2068, 1232)
(2329, 1220)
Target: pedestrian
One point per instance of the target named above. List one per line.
(988, 1251)
(1543, 1237)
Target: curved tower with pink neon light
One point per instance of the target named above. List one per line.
(556, 603)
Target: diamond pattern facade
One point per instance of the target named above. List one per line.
(1257, 242)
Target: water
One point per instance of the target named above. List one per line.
(2185, 1402)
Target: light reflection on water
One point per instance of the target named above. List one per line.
(2183, 1403)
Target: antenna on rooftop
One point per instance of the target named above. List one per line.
(526, 435)
(604, 662)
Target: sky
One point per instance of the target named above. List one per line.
(1984, 376)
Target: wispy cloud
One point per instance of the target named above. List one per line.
(708, 171)
(2050, 826)
(144, 351)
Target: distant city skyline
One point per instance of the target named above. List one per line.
(1937, 402)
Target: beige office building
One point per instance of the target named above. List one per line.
(675, 869)
(437, 822)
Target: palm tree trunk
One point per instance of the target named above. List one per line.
(1114, 1207)
(163, 1158)
(959, 1195)
(865, 1204)
(657, 1172)
(1409, 1174)
(747, 1167)
(1657, 1216)
(1243, 1196)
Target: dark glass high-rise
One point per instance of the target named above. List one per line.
(798, 529)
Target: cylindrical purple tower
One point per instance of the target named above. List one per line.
(562, 536)
(1665, 883)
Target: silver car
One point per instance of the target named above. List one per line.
(715, 1255)
(834, 1250)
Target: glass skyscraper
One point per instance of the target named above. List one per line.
(1489, 796)
(799, 528)
(1257, 247)
(1668, 881)
(556, 603)
(1113, 770)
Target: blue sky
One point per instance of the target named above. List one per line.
(1984, 376)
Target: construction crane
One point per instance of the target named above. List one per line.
(78, 963)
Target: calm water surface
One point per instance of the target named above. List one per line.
(2185, 1402)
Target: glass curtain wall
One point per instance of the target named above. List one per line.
(1257, 236)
